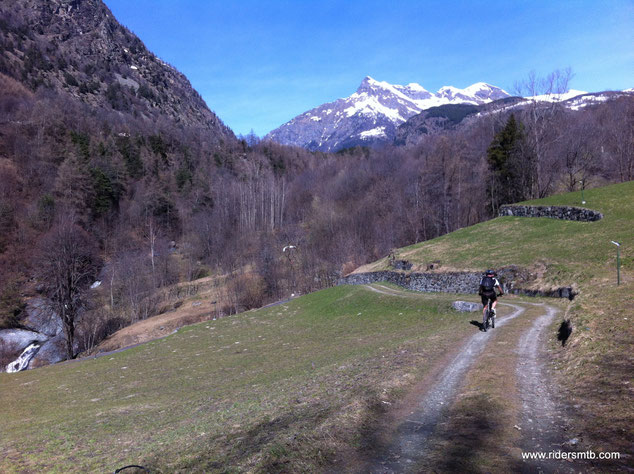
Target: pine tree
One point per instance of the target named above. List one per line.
(511, 173)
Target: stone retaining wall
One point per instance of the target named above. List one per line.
(554, 212)
(452, 282)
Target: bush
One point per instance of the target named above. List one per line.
(247, 291)
(70, 79)
(115, 94)
(145, 92)
(89, 87)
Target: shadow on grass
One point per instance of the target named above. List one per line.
(281, 444)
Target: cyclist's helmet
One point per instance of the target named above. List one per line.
(491, 272)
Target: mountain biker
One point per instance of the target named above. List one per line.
(488, 283)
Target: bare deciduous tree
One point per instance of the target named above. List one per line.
(67, 263)
(539, 120)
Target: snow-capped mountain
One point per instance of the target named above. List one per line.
(371, 115)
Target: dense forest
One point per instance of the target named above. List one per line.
(96, 184)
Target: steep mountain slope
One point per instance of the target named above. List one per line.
(77, 47)
(370, 115)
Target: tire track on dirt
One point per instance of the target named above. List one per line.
(410, 441)
(542, 420)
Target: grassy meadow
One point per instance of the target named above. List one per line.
(285, 386)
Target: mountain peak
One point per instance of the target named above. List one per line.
(372, 113)
(368, 84)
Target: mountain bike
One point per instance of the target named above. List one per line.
(489, 319)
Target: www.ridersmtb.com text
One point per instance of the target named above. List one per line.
(570, 455)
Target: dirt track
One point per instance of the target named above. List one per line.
(540, 424)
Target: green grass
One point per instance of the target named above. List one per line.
(231, 392)
(574, 252)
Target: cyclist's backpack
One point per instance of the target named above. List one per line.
(488, 283)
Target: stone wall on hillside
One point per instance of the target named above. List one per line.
(554, 212)
(454, 282)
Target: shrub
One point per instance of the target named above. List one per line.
(70, 79)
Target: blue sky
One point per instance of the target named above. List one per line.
(259, 63)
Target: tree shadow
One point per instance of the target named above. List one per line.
(475, 430)
(274, 440)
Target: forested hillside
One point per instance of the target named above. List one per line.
(108, 152)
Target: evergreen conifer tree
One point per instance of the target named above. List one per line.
(510, 171)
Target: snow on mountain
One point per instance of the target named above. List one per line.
(557, 97)
(371, 115)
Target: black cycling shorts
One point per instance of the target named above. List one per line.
(486, 296)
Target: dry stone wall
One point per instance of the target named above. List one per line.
(554, 212)
(454, 282)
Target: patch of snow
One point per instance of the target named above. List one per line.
(314, 118)
(584, 101)
(95, 285)
(134, 67)
(374, 133)
(414, 86)
(371, 107)
(556, 97)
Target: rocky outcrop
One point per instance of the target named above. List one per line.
(20, 339)
(42, 319)
(511, 279)
(51, 352)
(566, 213)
